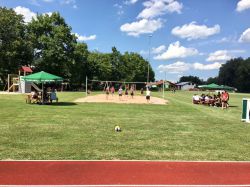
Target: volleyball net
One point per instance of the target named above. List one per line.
(109, 85)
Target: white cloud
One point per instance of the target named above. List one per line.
(120, 10)
(245, 36)
(220, 55)
(243, 5)
(193, 31)
(179, 67)
(27, 13)
(175, 50)
(237, 51)
(69, 2)
(85, 38)
(159, 49)
(48, 1)
(175, 68)
(130, 2)
(143, 26)
(155, 8)
(213, 66)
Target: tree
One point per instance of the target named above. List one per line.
(79, 68)
(242, 79)
(227, 72)
(136, 68)
(193, 79)
(99, 66)
(117, 65)
(15, 46)
(211, 80)
(236, 73)
(53, 44)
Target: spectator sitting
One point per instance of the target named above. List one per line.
(202, 98)
(53, 96)
(196, 99)
(206, 99)
(35, 97)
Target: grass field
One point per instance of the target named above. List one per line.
(177, 131)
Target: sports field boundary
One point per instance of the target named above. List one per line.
(125, 173)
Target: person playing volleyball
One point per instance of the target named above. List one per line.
(120, 93)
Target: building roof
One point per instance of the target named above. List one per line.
(26, 69)
(161, 82)
(182, 83)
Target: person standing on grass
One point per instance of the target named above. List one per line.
(148, 95)
(120, 93)
(225, 97)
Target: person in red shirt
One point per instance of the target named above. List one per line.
(224, 99)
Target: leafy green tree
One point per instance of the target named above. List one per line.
(236, 73)
(136, 68)
(15, 46)
(79, 68)
(99, 65)
(193, 79)
(117, 65)
(227, 72)
(242, 79)
(211, 80)
(53, 44)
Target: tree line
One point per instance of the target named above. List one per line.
(48, 44)
(234, 73)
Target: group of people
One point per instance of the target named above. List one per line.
(46, 96)
(217, 100)
(128, 91)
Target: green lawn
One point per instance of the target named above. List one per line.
(177, 131)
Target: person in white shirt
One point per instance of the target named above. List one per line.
(148, 95)
(120, 93)
(196, 99)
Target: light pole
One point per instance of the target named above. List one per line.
(149, 50)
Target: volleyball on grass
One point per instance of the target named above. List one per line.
(118, 129)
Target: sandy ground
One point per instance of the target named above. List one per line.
(9, 93)
(101, 98)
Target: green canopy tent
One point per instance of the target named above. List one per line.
(211, 86)
(42, 77)
(229, 88)
(216, 87)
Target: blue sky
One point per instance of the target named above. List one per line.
(188, 37)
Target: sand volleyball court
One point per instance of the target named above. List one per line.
(101, 98)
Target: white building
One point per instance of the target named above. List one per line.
(185, 85)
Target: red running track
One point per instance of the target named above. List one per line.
(123, 173)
